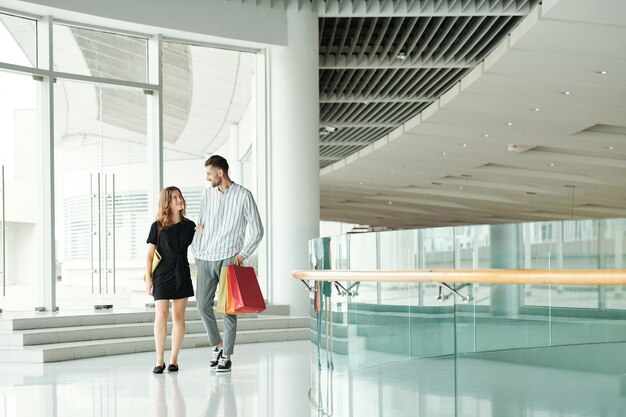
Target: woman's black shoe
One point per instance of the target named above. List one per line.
(172, 368)
(159, 369)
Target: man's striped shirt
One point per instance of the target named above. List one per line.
(224, 218)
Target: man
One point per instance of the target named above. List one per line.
(226, 209)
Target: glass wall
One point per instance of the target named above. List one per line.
(570, 244)
(105, 109)
(390, 349)
(20, 168)
(18, 37)
(97, 53)
(209, 107)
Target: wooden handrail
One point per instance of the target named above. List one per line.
(483, 276)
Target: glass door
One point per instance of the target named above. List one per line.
(101, 190)
(21, 230)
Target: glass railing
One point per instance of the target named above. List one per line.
(415, 348)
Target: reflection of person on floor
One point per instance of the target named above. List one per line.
(178, 402)
(222, 390)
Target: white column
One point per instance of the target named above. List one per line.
(293, 158)
(505, 299)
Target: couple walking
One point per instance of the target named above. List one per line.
(226, 209)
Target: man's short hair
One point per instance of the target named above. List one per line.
(217, 162)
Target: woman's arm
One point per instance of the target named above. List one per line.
(149, 255)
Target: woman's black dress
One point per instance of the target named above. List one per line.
(172, 278)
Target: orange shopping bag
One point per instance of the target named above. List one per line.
(222, 296)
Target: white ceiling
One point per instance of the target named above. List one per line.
(570, 156)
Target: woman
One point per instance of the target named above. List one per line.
(171, 234)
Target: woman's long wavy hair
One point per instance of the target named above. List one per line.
(165, 200)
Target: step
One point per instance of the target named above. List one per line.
(88, 349)
(341, 345)
(338, 329)
(41, 336)
(27, 321)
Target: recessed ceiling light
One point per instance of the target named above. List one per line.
(391, 173)
(536, 109)
(401, 56)
(601, 72)
(551, 164)
(509, 123)
(460, 187)
(567, 93)
(444, 153)
(365, 102)
(360, 182)
(610, 148)
(464, 145)
(486, 135)
(391, 202)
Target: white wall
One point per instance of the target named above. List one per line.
(213, 20)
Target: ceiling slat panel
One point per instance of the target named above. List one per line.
(370, 74)
(379, 39)
(424, 82)
(366, 87)
(441, 35)
(398, 23)
(415, 38)
(348, 81)
(370, 32)
(405, 36)
(356, 81)
(459, 26)
(431, 31)
(339, 75)
(372, 84)
(477, 36)
(344, 37)
(487, 43)
(400, 75)
(407, 82)
(355, 37)
(384, 83)
(463, 38)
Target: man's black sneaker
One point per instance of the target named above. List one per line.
(224, 365)
(217, 355)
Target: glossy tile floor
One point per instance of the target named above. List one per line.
(268, 379)
(273, 380)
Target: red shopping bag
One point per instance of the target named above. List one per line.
(244, 293)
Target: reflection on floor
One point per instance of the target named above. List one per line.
(273, 380)
(480, 388)
(268, 379)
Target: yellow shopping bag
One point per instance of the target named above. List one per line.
(222, 296)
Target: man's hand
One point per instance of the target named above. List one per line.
(239, 259)
(199, 229)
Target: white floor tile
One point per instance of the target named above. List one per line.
(124, 386)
